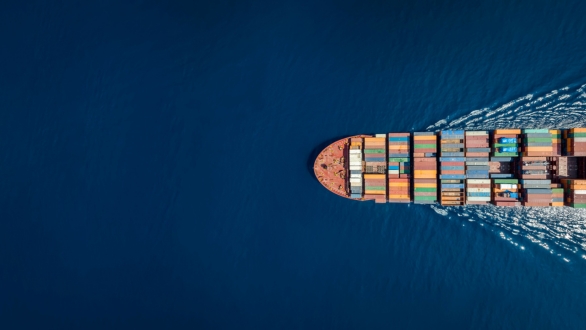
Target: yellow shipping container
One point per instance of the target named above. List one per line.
(507, 131)
(399, 196)
(398, 147)
(538, 148)
(374, 139)
(557, 204)
(425, 171)
(425, 185)
(375, 192)
(425, 137)
(398, 184)
(578, 130)
(375, 176)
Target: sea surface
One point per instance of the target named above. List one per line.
(156, 162)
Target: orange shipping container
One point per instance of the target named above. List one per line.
(374, 176)
(375, 192)
(507, 131)
(425, 137)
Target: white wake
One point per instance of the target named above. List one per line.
(560, 230)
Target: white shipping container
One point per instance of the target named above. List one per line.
(478, 189)
(393, 171)
(580, 192)
(476, 133)
(354, 165)
(356, 175)
(355, 151)
(355, 157)
(381, 135)
(506, 186)
(478, 181)
(580, 139)
(355, 168)
(478, 199)
(356, 184)
(355, 179)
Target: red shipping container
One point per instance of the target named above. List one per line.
(453, 163)
(399, 134)
(507, 203)
(483, 138)
(425, 160)
(453, 172)
(477, 154)
(476, 143)
(478, 185)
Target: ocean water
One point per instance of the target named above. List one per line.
(157, 164)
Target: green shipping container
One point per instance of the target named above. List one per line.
(536, 130)
(425, 189)
(374, 151)
(425, 146)
(398, 160)
(506, 154)
(578, 206)
(576, 135)
(497, 145)
(424, 198)
(557, 190)
(537, 140)
(510, 181)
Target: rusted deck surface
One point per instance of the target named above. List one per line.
(330, 167)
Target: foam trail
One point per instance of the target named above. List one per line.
(560, 230)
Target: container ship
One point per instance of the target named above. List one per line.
(504, 167)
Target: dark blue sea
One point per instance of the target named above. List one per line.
(156, 164)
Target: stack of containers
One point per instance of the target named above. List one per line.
(452, 143)
(534, 168)
(505, 192)
(477, 144)
(424, 168)
(537, 142)
(575, 192)
(399, 168)
(424, 144)
(575, 141)
(477, 191)
(453, 171)
(557, 194)
(355, 155)
(505, 143)
(375, 187)
(556, 142)
(536, 192)
(375, 154)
